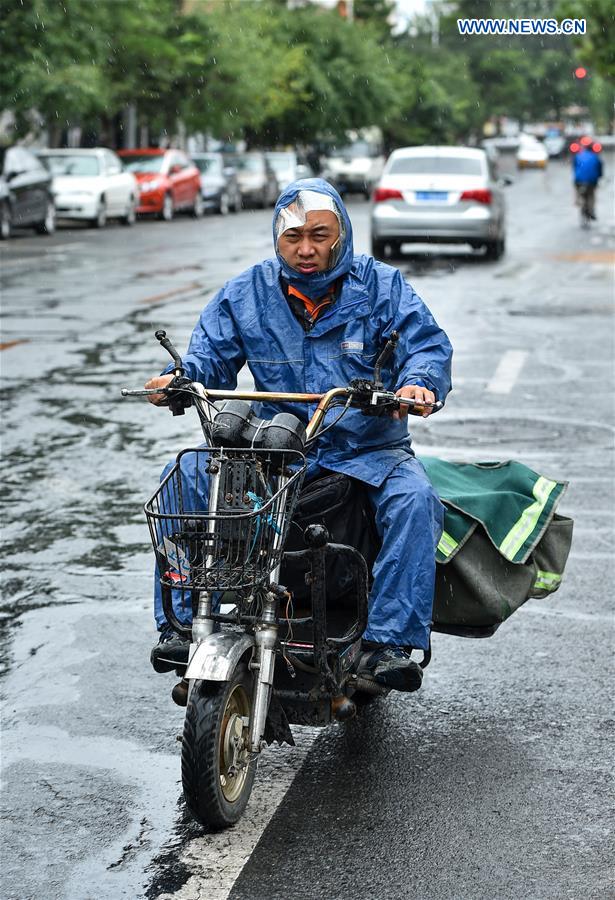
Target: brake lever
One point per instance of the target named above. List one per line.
(176, 397)
(411, 402)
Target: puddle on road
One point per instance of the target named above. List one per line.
(518, 433)
(174, 270)
(435, 264)
(548, 312)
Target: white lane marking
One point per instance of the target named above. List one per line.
(507, 372)
(216, 860)
(529, 272)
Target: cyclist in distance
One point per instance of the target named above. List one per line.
(587, 171)
(311, 318)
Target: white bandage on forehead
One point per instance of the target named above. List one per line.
(295, 214)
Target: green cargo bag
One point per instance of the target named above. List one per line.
(503, 542)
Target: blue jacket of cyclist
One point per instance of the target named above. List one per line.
(587, 166)
(314, 317)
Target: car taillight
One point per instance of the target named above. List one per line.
(381, 194)
(574, 147)
(481, 195)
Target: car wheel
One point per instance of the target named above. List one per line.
(378, 249)
(495, 249)
(198, 207)
(100, 219)
(130, 217)
(168, 209)
(5, 222)
(224, 206)
(48, 225)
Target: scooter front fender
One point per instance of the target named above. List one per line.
(215, 658)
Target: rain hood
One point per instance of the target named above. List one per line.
(315, 284)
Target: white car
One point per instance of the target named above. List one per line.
(532, 153)
(441, 195)
(286, 167)
(354, 168)
(555, 143)
(91, 185)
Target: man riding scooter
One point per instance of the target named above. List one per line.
(314, 317)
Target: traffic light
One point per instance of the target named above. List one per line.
(580, 73)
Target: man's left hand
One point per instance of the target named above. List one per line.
(414, 392)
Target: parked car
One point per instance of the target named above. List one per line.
(354, 168)
(168, 182)
(441, 194)
(257, 182)
(532, 153)
(219, 185)
(555, 143)
(26, 198)
(91, 185)
(287, 168)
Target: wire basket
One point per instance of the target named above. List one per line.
(238, 545)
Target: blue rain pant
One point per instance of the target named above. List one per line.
(409, 519)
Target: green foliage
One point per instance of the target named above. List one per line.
(346, 79)
(596, 48)
(255, 69)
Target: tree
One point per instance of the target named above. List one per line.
(596, 48)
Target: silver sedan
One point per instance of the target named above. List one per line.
(439, 194)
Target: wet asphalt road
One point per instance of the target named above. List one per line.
(492, 782)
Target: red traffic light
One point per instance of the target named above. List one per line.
(580, 72)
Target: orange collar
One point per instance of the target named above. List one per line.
(313, 307)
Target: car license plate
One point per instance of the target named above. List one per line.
(438, 196)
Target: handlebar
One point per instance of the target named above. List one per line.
(360, 395)
(369, 396)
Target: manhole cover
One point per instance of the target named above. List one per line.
(518, 433)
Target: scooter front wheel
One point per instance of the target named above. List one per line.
(217, 772)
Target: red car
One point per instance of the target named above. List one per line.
(168, 182)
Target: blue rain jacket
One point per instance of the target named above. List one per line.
(250, 321)
(587, 167)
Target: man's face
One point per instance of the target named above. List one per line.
(307, 249)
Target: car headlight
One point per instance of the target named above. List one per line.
(154, 185)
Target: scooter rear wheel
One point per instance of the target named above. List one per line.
(217, 773)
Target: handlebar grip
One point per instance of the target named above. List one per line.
(161, 336)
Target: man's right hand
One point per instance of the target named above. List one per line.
(159, 381)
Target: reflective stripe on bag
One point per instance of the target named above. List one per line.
(447, 544)
(547, 581)
(525, 525)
